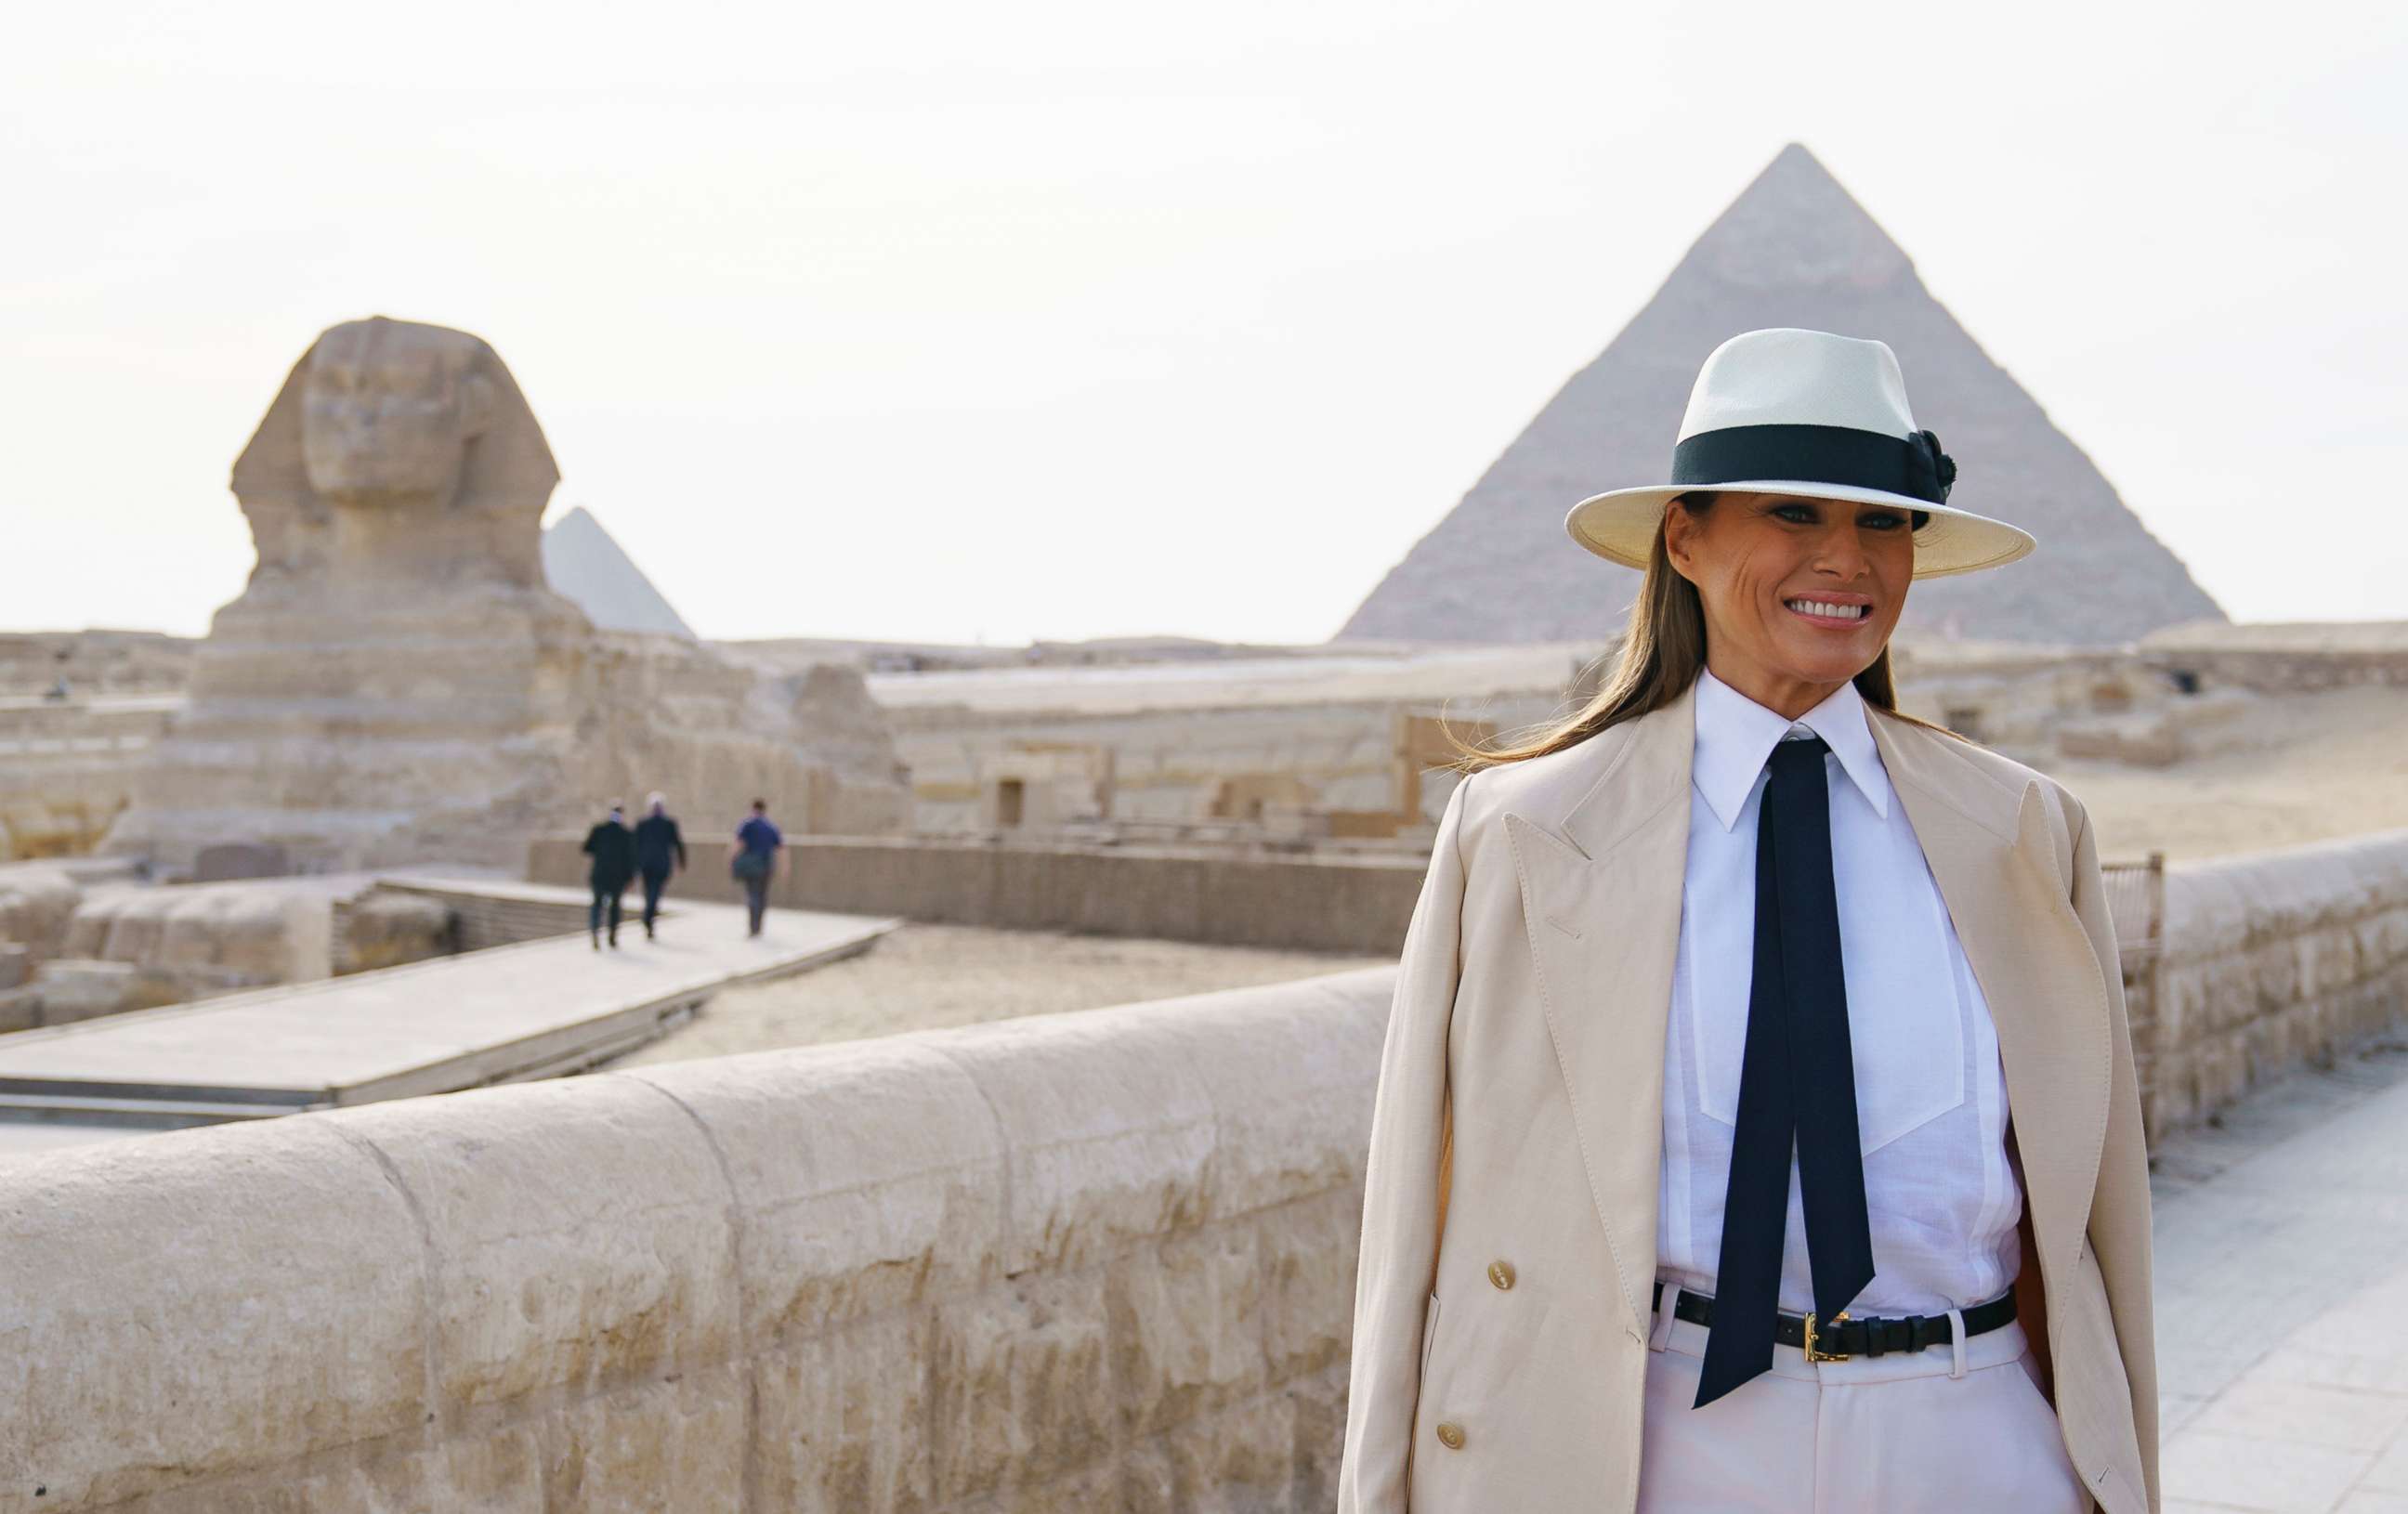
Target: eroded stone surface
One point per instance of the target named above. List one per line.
(843, 1421)
(1097, 1163)
(202, 1303)
(868, 1178)
(2271, 960)
(1025, 1386)
(582, 1235)
(37, 900)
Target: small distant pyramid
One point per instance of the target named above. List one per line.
(1794, 249)
(583, 563)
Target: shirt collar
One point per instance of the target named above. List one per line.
(1736, 736)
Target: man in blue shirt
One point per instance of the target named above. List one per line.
(757, 858)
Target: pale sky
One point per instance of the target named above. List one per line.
(960, 321)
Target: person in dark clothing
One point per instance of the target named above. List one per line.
(756, 860)
(612, 847)
(660, 851)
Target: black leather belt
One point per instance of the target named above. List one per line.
(1837, 1340)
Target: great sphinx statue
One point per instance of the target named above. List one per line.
(398, 459)
(397, 683)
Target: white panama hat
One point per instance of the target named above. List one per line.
(1788, 412)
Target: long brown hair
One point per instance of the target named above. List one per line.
(1661, 654)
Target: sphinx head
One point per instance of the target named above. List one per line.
(390, 408)
(397, 455)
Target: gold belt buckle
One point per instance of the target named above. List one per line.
(1813, 1353)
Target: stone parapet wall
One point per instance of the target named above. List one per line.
(2274, 670)
(1351, 903)
(1096, 1260)
(1099, 1259)
(2271, 960)
(37, 906)
(2299, 657)
(480, 919)
(68, 768)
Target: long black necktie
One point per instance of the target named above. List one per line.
(1797, 1086)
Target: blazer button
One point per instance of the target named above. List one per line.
(1501, 1273)
(1450, 1435)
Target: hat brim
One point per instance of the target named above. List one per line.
(1621, 526)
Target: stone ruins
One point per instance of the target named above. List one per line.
(1794, 249)
(398, 683)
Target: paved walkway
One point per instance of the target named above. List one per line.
(2283, 1298)
(508, 1013)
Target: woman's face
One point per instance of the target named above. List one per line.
(1801, 595)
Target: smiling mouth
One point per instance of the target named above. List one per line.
(1826, 612)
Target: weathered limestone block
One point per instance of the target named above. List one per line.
(227, 861)
(267, 933)
(386, 928)
(66, 768)
(866, 1178)
(1320, 1435)
(385, 1477)
(2140, 738)
(1025, 1389)
(1186, 1324)
(581, 1235)
(1097, 1488)
(36, 902)
(2275, 959)
(1097, 1163)
(842, 1419)
(1307, 1252)
(1240, 1460)
(1290, 1110)
(501, 1470)
(213, 937)
(201, 1304)
(73, 988)
(2279, 937)
(2381, 935)
(678, 1444)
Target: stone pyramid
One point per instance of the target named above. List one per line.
(582, 563)
(1794, 249)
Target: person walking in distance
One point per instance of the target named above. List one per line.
(612, 847)
(755, 859)
(660, 851)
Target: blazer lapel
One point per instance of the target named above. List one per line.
(1600, 882)
(1991, 850)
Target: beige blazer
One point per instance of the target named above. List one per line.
(1520, 1113)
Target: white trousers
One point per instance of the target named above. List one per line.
(1957, 1429)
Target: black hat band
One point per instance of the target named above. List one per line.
(1913, 467)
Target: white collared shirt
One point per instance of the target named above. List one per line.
(1931, 1095)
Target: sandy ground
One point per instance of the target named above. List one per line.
(925, 977)
(2294, 768)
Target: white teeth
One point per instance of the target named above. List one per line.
(1817, 606)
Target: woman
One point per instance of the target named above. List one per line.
(1757, 1127)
